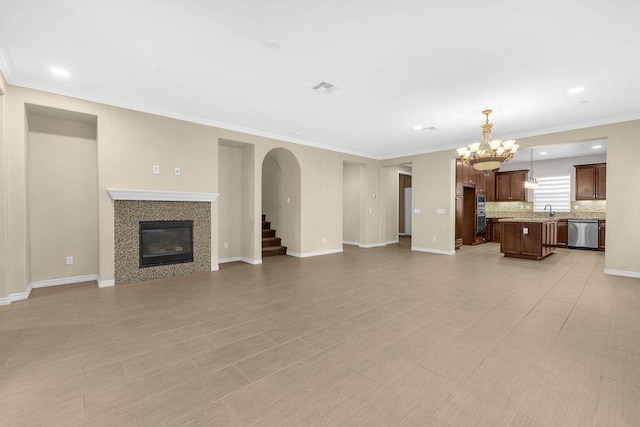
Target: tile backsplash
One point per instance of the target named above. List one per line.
(581, 208)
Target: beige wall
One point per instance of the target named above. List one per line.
(4, 291)
(63, 206)
(230, 202)
(623, 196)
(351, 202)
(129, 143)
(433, 188)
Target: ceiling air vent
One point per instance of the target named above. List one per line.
(324, 87)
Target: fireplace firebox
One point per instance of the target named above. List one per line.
(165, 242)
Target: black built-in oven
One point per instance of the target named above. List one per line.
(481, 213)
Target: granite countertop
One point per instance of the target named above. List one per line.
(528, 219)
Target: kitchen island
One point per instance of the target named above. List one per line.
(529, 238)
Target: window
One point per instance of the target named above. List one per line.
(555, 191)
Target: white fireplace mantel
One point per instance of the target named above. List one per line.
(162, 196)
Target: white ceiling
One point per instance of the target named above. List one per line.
(560, 151)
(396, 65)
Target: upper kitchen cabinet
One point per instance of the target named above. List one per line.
(469, 175)
(459, 178)
(487, 185)
(591, 181)
(510, 186)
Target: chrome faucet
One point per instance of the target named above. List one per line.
(550, 210)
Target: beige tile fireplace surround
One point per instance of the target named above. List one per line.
(131, 207)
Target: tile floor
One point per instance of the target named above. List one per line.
(371, 337)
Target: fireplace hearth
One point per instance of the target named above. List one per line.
(165, 242)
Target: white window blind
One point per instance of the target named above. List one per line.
(555, 191)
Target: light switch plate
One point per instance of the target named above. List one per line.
(525, 230)
(440, 211)
(416, 211)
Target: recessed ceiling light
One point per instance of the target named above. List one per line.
(542, 153)
(595, 147)
(295, 133)
(272, 44)
(60, 72)
(576, 89)
(425, 129)
(161, 70)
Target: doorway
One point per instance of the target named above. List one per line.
(404, 203)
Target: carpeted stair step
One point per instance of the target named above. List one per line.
(273, 251)
(268, 242)
(268, 233)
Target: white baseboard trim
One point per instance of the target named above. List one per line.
(226, 260)
(347, 242)
(373, 245)
(19, 296)
(317, 253)
(215, 267)
(611, 272)
(106, 283)
(392, 242)
(64, 281)
(250, 261)
(432, 251)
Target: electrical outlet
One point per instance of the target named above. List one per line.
(176, 171)
(324, 240)
(69, 260)
(226, 245)
(434, 238)
(156, 169)
(525, 230)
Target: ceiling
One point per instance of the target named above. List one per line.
(560, 151)
(251, 65)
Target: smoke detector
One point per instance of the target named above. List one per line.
(324, 87)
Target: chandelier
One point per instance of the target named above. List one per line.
(531, 181)
(489, 153)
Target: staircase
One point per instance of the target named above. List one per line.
(271, 245)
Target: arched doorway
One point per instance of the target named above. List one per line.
(281, 196)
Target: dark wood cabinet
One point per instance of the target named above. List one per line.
(591, 182)
(510, 186)
(563, 233)
(469, 183)
(495, 230)
(486, 184)
(490, 186)
(459, 169)
(529, 240)
(469, 175)
(601, 181)
(602, 231)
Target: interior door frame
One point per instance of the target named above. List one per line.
(398, 200)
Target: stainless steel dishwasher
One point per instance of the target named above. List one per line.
(583, 233)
